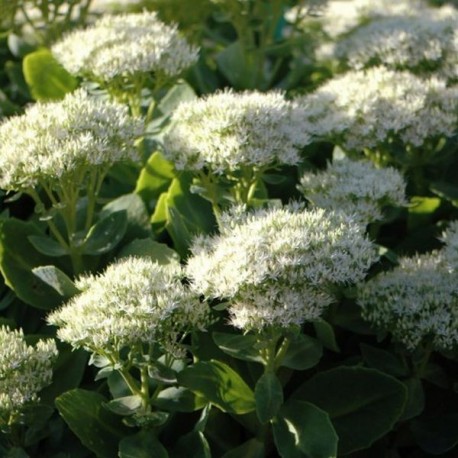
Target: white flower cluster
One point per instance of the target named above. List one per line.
(125, 45)
(24, 371)
(339, 17)
(227, 130)
(51, 140)
(417, 300)
(277, 266)
(134, 301)
(355, 187)
(365, 108)
(450, 251)
(420, 43)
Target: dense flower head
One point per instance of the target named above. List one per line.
(355, 187)
(416, 301)
(227, 130)
(339, 17)
(365, 108)
(51, 140)
(125, 45)
(422, 43)
(276, 266)
(24, 371)
(134, 301)
(450, 251)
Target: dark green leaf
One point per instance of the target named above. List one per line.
(303, 353)
(192, 445)
(325, 334)
(47, 246)
(138, 223)
(158, 252)
(55, 278)
(47, 79)
(220, 385)
(302, 430)
(178, 399)
(268, 394)
(363, 404)
(249, 449)
(144, 444)
(239, 346)
(105, 234)
(232, 64)
(383, 361)
(415, 399)
(17, 259)
(436, 435)
(98, 429)
(181, 92)
(448, 191)
(421, 211)
(126, 405)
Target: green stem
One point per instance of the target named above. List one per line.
(281, 353)
(420, 369)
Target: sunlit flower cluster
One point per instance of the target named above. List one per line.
(415, 302)
(125, 45)
(355, 187)
(133, 301)
(421, 43)
(450, 250)
(52, 140)
(276, 266)
(365, 108)
(227, 130)
(24, 371)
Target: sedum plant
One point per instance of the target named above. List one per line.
(24, 371)
(355, 187)
(62, 154)
(129, 316)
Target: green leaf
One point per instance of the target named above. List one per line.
(138, 224)
(233, 65)
(47, 246)
(220, 385)
(148, 248)
(268, 394)
(192, 445)
(384, 361)
(98, 429)
(415, 399)
(303, 353)
(160, 215)
(144, 444)
(155, 178)
(181, 92)
(421, 211)
(179, 399)
(448, 191)
(18, 258)
(249, 449)
(325, 334)
(238, 346)
(436, 435)
(303, 430)
(363, 404)
(55, 278)
(126, 405)
(46, 78)
(105, 234)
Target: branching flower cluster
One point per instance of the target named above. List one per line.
(249, 128)
(416, 302)
(450, 250)
(24, 372)
(363, 109)
(277, 266)
(54, 141)
(124, 46)
(355, 187)
(133, 302)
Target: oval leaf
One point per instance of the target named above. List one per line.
(220, 385)
(268, 394)
(238, 346)
(55, 278)
(302, 430)
(363, 404)
(47, 246)
(303, 353)
(142, 445)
